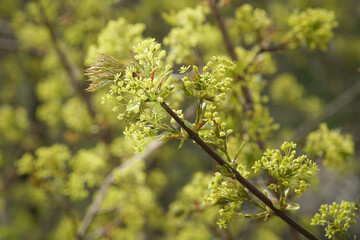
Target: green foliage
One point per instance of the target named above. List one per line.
(55, 170)
(138, 205)
(189, 217)
(329, 145)
(337, 218)
(212, 83)
(292, 174)
(116, 39)
(49, 162)
(252, 23)
(286, 90)
(229, 195)
(14, 124)
(311, 28)
(186, 34)
(68, 164)
(50, 113)
(76, 116)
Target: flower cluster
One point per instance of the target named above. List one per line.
(229, 195)
(250, 19)
(291, 173)
(116, 39)
(77, 117)
(336, 217)
(251, 22)
(330, 145)
(210, 126)
(146, 79)
(186, 34)
(212, 83)
(312, 28)
(137, 89)
(56, 170)
(13, 125)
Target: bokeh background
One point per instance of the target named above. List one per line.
(42, 101)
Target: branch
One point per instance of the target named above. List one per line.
(94, 207)
(225, 34)
(195, 137)
(249, 103)
(332, 108)
(230, 48)
(74, 75)
(71, 71)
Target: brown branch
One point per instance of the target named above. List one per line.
(94, 207)
(74, 76)
(230, 49)
(225, 34)
(332, 108)
(249, 103)
(70, 69)
(195, 137)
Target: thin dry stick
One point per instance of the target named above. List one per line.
(332, 108)
(74, 75)
(95, 205)
(70, 69)
(195, 137)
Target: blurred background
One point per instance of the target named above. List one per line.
(44, 50)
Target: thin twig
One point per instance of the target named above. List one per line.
(74, 75)
(225, 34)
(93, 209)
(249, 103)
(231, 50)
(195, 137)
(71, 70)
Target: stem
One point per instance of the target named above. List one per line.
(73, 73)
(70, 69)
(226, 37)
(93, 210)
(249, 103)
(94, 207)
(195, 137)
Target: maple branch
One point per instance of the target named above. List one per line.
(196, 138)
